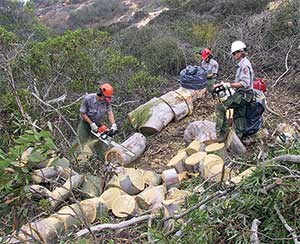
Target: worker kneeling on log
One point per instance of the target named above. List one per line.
(92, 111)
(240, 96)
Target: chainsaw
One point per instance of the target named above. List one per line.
(105, 136)
(221, 93)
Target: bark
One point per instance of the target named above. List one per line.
(151, 117)
(170, 178)
(177, 103)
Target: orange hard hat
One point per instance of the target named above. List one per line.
(107, 90)
(206, 52)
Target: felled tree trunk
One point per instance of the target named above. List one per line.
(62, 193)
(177, 162)
(188, 98)
(234, 144)
(42, 175)
(217, 149)
(135, 143)
(151, 117)
(192, 163)
(177, 103)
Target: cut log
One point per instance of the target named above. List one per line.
(46, 230)
(151, 178)
(208, 162)
(177, 103)
(124, 205)
(133, 183)
(151, 198)
(192, 163)
(170, 178)
(151, 117)
(93, 208)
(195, 146)
(234, 144)
(71, 216)
(135, 143)
(187, 95)
(109, 195)
(177, 162)
(41, 175)
(40, 191)
(215, 172)
(177, 196)
(217, 149)
(93, 185)
(244, 174)
(201, 131)
(170, 208)
(62, 193)
(113, 182)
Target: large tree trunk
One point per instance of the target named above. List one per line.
(135, 143)
(177, 103)
(151, 117)
(187, 95)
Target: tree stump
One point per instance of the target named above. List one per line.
(135, 143)
(234, 144)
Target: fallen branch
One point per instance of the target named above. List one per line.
(286, 226)
(117, 226)
(286, 66)
(286, 157)
(254, 229)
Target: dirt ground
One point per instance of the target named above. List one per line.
(282, 99)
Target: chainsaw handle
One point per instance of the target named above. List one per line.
(104, 135)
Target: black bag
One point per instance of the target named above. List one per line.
(193, 77)
(254, 113)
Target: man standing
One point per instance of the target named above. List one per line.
(241, 95)
(211, 66)
(92, 111)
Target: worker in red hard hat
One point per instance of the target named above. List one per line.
(92, 111)
(211, 66)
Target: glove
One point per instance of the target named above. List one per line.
(114, 127)
(226, 85)
(94, 127)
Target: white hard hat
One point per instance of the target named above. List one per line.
(237, 46)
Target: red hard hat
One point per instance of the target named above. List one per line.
(107, 90)
(206, 52)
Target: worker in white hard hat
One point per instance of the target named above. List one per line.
(241, 93)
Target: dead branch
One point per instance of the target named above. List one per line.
(286, 226)
(121, 225)
(286, 66)
(57, 111)
(267, 188)
(286, 157)
(254, 229)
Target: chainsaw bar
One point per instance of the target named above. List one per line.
(109, 142)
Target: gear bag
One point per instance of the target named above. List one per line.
(193, 77)
(254, 113)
